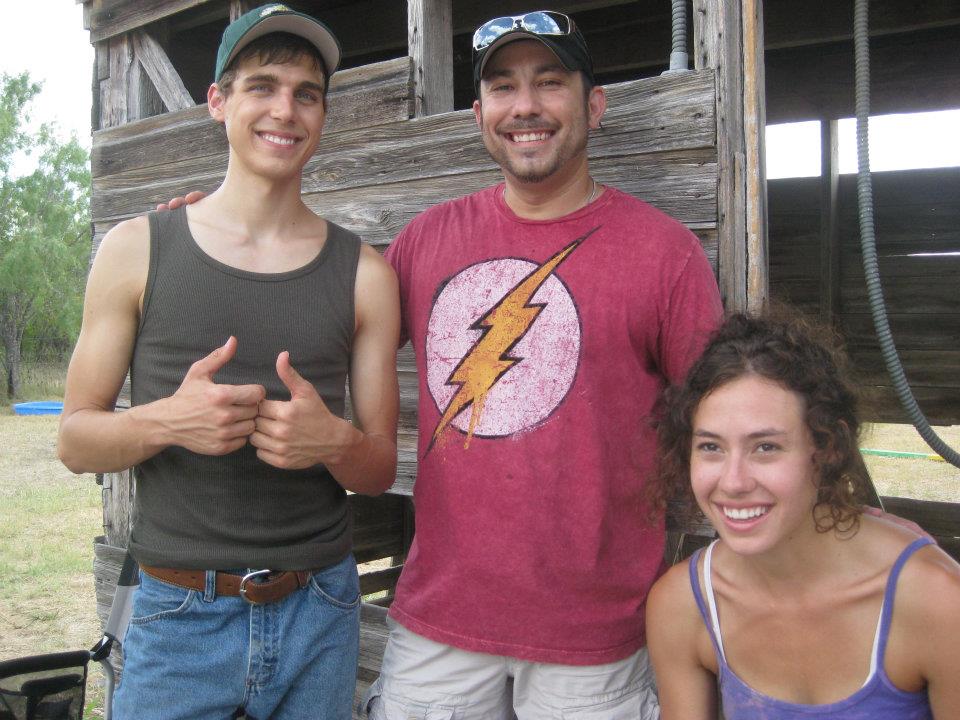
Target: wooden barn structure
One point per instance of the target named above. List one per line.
(399, 138)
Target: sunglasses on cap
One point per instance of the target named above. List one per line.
(541, 22)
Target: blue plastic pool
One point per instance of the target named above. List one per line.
(38, 407)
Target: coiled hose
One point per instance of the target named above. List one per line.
(871, 269)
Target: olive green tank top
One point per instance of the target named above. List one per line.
(236, 511)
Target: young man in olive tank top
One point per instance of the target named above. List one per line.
(239, 318)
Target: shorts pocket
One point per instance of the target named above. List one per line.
(154, 600)
(380, 707)
(634, 705)
(338, 585)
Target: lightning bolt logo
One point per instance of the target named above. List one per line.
(501, 327)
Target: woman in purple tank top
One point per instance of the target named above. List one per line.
(805, 607)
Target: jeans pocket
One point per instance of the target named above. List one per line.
(155, 600)
(338, 585)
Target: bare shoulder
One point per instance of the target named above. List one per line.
(372, 261)
(930, 584)
(922, 647)
(680, 649)
(123, 255)
(131, 235)
(671, 605)
(373, 272)
(377, 292)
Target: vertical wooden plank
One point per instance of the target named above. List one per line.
(829, 227)
(238, 8)
(139, 97)
(430, 44)
(118, 493)
(101, 71)
(717, 36)
(728, 37)
(113, 90)
(755, 176)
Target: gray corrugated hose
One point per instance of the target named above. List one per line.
(871, 269)
(679, 60)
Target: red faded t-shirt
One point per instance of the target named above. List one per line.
(541, 348)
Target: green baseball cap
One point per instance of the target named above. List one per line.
(272, 18)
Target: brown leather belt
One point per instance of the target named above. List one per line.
(258, 587)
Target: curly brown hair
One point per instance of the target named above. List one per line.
(785, 348)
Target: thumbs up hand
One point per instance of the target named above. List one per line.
(300, 432)
(211, 418)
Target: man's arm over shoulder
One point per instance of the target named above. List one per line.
(201, 416)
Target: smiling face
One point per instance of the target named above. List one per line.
(534, 114)
(273, 114)
(752, 464)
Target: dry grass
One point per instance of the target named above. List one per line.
(903, 477)
(48, 519)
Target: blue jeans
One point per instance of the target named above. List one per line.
(198, 656)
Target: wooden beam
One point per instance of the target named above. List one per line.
(161, 72)
(829, 223)
(239, 7)
(430, 45)
(359, 97)
(754, 122)
(728, 37)
(788, 24)
(109, 18)
(908, 73)
(468, 15)
(661, 120)
(101, 72)
(717, 45)
(114, 100)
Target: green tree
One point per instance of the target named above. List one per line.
(44, 228)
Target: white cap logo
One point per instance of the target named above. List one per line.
(274, 8)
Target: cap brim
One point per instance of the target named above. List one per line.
(514, 36)
(295, 24)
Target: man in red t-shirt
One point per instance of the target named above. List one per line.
(546, 313)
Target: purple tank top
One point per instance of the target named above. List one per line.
(877, 699)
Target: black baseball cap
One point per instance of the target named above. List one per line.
(272, 18)
(555, 30)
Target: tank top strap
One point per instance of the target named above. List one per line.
(886, 612)
(707, 607)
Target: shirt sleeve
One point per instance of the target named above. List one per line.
(395, 256)
(693, 314)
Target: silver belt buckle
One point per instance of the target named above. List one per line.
(246, 578)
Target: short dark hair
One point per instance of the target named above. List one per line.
(280, 48)
(783, 347)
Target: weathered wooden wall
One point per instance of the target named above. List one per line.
(917, 215)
